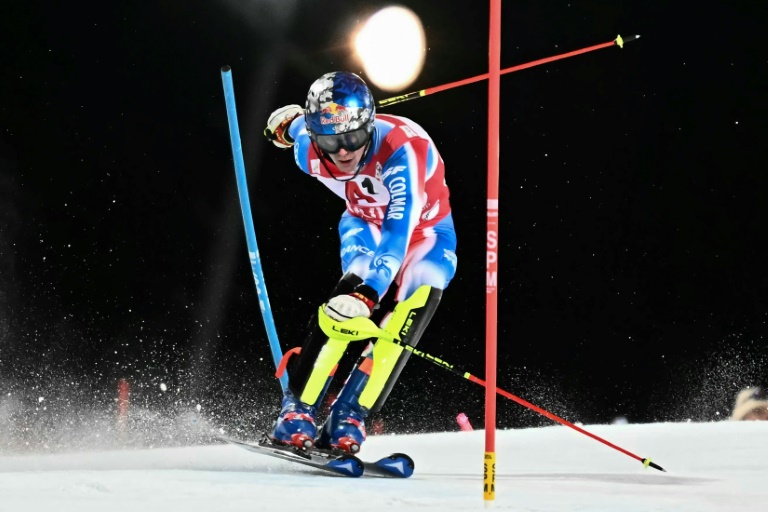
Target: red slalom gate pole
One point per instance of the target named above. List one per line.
(619, 41)
(492, 251)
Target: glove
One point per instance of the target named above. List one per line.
(358, 303)
(278, 124)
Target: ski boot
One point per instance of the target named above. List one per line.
(296, 423)
(344, 429)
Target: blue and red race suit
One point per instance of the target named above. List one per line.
(397, 226)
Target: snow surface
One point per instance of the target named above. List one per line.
(720, 466)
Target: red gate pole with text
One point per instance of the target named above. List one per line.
(492, 250)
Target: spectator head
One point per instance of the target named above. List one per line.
(751, 404)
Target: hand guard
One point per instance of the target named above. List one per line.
(278, 124)
(358, 303)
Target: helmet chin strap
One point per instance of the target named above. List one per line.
(360, 164)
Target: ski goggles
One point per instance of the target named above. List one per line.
(351, 141)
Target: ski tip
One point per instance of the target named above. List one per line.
(347, 465)
(405, 457)
(397, 464)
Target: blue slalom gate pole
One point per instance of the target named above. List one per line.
(250, 233)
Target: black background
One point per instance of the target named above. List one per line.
(633, 225)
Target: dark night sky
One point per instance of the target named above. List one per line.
(633, 225)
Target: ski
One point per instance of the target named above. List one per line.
(343, 465)
(396, 465)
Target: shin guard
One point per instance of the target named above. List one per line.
(408, 322)
(311, 372)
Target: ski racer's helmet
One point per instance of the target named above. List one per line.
(339, 112)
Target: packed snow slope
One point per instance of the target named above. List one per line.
(720, 466)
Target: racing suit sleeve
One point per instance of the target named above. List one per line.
(404, 176)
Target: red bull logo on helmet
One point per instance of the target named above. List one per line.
(334, 113)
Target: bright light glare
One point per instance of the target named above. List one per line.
(391, 46)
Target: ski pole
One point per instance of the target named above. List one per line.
(361, 328)
(250, 233)
(619, 41)
(442, 364)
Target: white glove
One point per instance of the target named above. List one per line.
(344, 307)
(278, 124)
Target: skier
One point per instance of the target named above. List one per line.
(397, 251)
